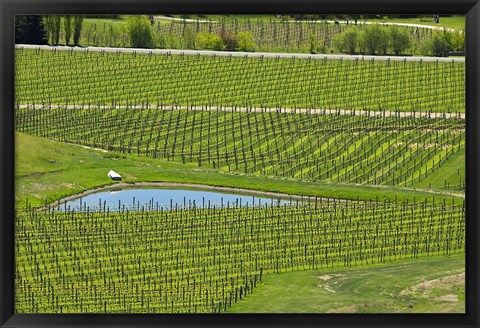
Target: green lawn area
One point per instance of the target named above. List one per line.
(455, 22)
(449, 174)
(423, 285)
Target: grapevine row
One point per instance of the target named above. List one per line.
(204, 259)
(398, 151)
(103, 78)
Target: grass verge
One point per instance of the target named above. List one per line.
(423, 285)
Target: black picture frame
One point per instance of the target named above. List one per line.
(471, 8)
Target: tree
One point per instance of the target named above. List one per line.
(49, 28)
(384, 40)
(77, 28)
(159, 40)
(67, 26)
(374, 38)
(439, 45)
(139, 31)
(399, 40)
(57, 23)
(458, 40)
(347, 41)
(246, 42)
(29, 30)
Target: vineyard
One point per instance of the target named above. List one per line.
(204, 259)
(286, 36)
(105, 78)
(396, 126)
(342, 148)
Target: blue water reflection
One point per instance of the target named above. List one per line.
(158, 198)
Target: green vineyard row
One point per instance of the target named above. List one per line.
(103, 78)
(396, 151)
(204, 259)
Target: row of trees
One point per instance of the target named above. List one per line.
(71, 24)
(36, 29)
(29, 30)
(379, 39)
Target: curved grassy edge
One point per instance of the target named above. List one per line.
(431, 284)
(47, 171)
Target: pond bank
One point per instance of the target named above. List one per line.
(192, 186)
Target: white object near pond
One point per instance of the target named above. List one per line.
(114, 175)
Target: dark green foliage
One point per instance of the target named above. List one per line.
(67, 26)
(306, 17)
(77, 28)
(57, 24)
(273, 36)
(140, 32)
(29, 30)
(439, 46)
(347, 41)
(374, 39)
(399, 39)
(103, 16)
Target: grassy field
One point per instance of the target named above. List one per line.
(455, 22)
(125, 78)
(425, 285)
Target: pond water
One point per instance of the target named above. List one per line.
(158, 198)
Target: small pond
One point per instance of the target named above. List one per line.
(158, 198)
